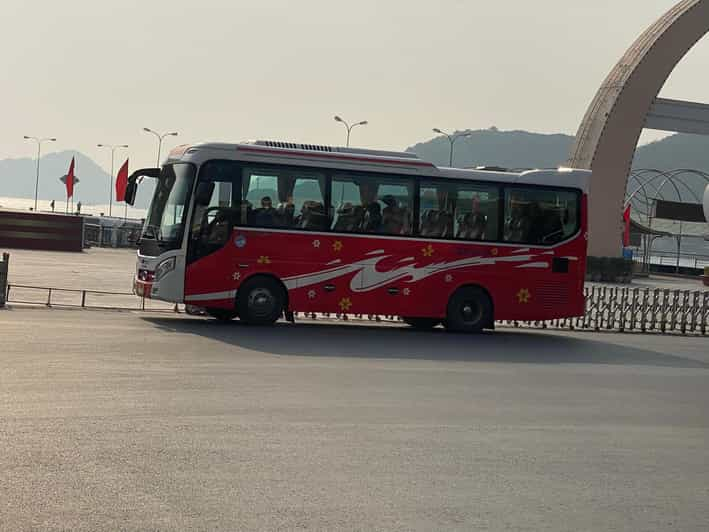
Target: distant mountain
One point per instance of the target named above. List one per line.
(17, 179)
(675, 152)
(522, 149)
(492, 147)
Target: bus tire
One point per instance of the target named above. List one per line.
(260, 301)
(469, 310)
(221, 314)
(422, 323)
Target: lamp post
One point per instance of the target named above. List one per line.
(39, 142)
(113, 148)
(160, 139)
(451, 139)
(350, 127)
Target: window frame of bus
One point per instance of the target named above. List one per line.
(497, 186)
(345, 175)
(275, 167)
(511, 186)
(192, 246)
(417, 179)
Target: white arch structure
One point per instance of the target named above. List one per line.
(610, 130)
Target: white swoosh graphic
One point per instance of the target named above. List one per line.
(368, 278)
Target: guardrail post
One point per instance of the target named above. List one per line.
(4, 288)
(49, 297)
(83, 298)
(684, 310)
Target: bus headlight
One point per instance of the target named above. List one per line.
(164, 268)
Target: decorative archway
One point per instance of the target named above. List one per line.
(609, 133)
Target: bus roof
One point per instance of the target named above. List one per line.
(342, 158)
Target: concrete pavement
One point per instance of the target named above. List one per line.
(115, 420)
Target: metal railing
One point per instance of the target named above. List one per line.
(76, 298)
(111, 236)
(649, 310)
(637, 310)
(686, 260)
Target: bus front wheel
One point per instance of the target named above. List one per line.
(260, 301)
(469, 310)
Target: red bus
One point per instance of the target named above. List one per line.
(264, 229)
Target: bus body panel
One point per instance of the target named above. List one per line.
(361, 274)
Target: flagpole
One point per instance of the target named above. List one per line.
(113, 148)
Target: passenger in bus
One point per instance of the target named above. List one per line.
(436, 223)
(266, 215)
(313, 216)
(394, 218)
(219, 229)
(429, 223)
(349, 218)
(285, 213)
(372, 222)
(519, 223)
(472, 225)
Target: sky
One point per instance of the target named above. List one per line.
(88, 71)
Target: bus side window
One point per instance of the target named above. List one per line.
(438, 200)
(476, 213)
(287, 198)
(540, 216)
(372, 204)
(215, 213)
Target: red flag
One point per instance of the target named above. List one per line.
(70, 180)
(626, 226)
(122, 182)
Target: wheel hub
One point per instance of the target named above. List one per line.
(471, 312)
(261, 302)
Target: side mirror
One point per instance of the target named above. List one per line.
(131, 190)
(132, 186)
(205, 189)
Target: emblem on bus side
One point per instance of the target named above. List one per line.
(240, 241)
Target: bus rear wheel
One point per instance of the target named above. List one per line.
(422, 323)
(469, 310)
(260, 301)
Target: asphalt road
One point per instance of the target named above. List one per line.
(115, 420)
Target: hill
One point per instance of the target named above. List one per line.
(675, 152)
(17, 179)
(492, 147)
(522, 149)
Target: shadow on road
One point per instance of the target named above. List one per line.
(401, 342)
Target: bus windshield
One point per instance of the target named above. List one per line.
(166, 219)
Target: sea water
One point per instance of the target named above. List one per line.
(26, 204)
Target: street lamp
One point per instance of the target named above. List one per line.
(451, 139)
(39, 142)
(350, 127)
(160, 138)
(113, 148)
